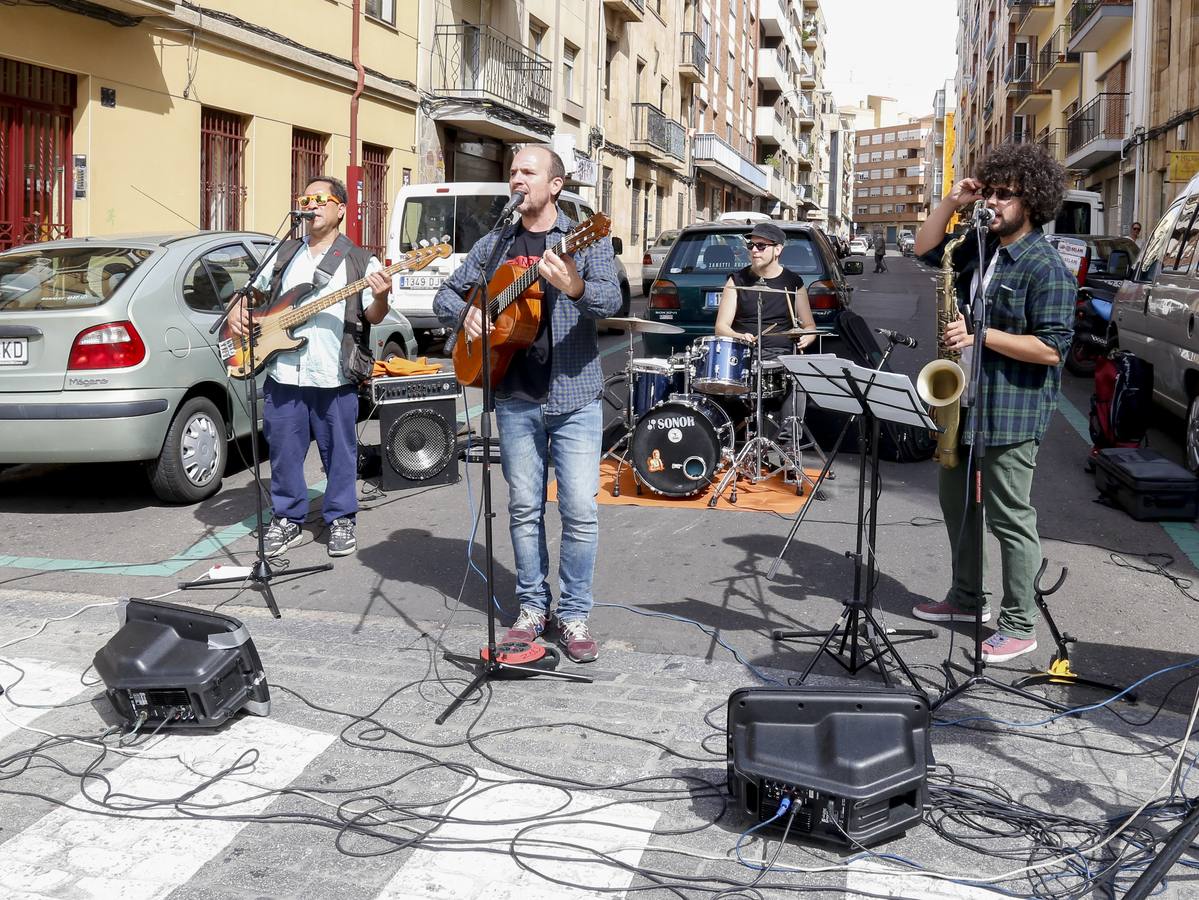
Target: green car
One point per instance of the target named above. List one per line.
(687, 290)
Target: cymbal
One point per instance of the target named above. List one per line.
(798, 332)
(639, 326)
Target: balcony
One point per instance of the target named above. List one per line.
(988, 108)
(772, 71)
(1058, 66)
(1096, 132)
(807, 70)
(768, 127)
(805, 153)
(806, 110)
(693, 58)
(658, 138)
(772, 16)
(626, 10)
(716, 156)
(1095, 22)
(1031, 16)
(476, 62)
(1028, 98)
(1054, 142)
(811, 33)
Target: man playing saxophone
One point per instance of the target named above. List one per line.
(1029, 299)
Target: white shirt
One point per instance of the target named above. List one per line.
(318, 363)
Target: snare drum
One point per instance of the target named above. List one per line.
(680, 444)
(722, 365)
(774, 378)
(654, 380)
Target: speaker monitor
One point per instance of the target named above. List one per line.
(418, 443)
(854, 762)
(181, 667)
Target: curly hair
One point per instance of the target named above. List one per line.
(1031, 170)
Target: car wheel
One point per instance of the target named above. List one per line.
(394, 349)
(1192, 447)
(645, 286)
(1081, 359)
(192, 461)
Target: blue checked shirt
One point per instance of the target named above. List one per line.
(575, 375)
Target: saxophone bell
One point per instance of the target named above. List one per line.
(941, 382)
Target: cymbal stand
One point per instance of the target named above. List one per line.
(620, 450)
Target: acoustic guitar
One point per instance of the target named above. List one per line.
(514, 308)
(273, 324)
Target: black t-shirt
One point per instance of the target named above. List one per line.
(776, 307)
(528, 375)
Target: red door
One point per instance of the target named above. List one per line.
(36, 177)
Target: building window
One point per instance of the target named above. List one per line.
(875, 192)
(609, 55)
(863, 157)
(222, 170)
(606, 192)
(888, 208)
(569, 52)
(678, 221)
(888, 154)
(874, 210)
(635, 231)
(889, 137)
(374, 199)
(901, 207)
(876, 138)
(658, 205)
(383, 10)
(888, 190)
(863, 210)
(876, 156)
(308, 158)
(864, 140)
(536, 36)
(889, 173)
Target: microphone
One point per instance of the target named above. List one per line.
(303, 214)
(518, 197)
(984, 215)
(896, 337)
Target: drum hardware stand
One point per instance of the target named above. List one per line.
(491, 666)
(857, 623)
(1059, 671)
(748, 461)
(261, 573)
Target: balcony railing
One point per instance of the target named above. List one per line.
(1054, 142)
(477, 61)
(652, 127)
(694, 54)
(1084, 9)
(1024, 83)
(1105, 118)
(710, 148)
(1054, 52)
(989, 107)
(1022, 8)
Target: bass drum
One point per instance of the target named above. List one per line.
(679, 444)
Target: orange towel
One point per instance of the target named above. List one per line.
(399, 366)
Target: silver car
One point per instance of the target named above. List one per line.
(106, 356)
(651, 263)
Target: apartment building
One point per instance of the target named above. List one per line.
(152, 115)
(889, 193)
(939, 173)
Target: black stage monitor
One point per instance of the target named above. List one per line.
(181, 666)
(854, 762)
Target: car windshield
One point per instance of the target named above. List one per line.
(464, 218)
(666, 238)
(64, 277)
(1103, 248)
(725, 252)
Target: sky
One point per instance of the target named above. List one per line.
(900, 50)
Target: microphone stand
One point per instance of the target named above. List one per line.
(978, 455)
(490, 667)
(261, 572)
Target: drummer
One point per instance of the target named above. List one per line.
(784, 306)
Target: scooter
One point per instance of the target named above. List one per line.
(1093, 333)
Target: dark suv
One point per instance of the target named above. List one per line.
(687, 290)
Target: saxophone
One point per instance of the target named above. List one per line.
(941, 382)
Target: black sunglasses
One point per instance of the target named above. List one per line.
(759, 245)
(1000, 194)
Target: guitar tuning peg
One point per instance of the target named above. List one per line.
(424, 243)
(445, 238)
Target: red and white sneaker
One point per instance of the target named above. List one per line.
(1000, 647)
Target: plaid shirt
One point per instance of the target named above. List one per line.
(1031, 292)
(575, 375)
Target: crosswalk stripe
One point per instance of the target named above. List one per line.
(70, 853)
(42, 685)
(468, 874)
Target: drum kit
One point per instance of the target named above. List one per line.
(682, 414)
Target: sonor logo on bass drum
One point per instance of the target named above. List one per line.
(673, 422)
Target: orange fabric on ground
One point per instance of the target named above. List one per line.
(397, 366)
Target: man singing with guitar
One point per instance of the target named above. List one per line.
(547, 402)
(312, 391)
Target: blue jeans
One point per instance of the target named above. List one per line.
(529, 440)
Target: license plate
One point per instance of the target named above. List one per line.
(421, 282)
(14, 351)
(712, 299)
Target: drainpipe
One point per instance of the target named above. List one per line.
(353, 170)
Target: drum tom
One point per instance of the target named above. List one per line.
(722, 365)
(680, 444)
(774, 378)
(654, 380)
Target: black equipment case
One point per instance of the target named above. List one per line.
(1146, 485)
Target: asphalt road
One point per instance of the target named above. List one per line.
(99, 530)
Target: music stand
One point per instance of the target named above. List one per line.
(872, 396)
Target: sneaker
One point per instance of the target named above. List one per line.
(944, 611)
(341, 537)
(1000, 647)
(528, 626)
(575, 638)
(281, 535)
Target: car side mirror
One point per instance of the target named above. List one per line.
(1118, 264)
(852, 267)
(617, 245)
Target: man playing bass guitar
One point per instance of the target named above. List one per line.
(547, 404)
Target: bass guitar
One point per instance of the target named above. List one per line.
(514, 308)
(273, 324)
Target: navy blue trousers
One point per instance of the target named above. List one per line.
(291, 418)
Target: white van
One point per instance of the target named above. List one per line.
(1081, 213)
(464, 210)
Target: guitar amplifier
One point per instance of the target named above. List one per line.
(418, 425)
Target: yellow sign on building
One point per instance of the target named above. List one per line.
(1184, 165)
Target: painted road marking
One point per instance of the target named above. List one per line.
(71, 853)
(43, 684)
(469, 874)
